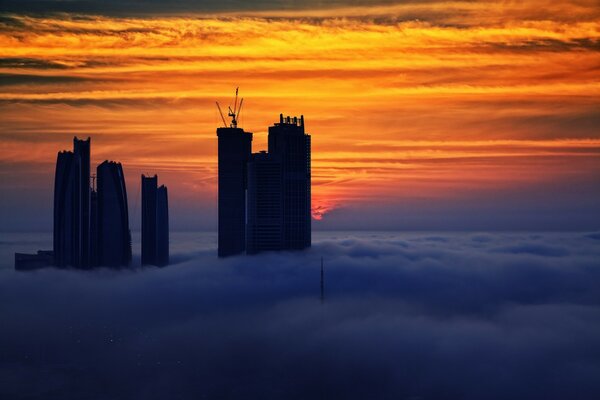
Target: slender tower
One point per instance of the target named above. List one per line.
(64, 236)
(149, 189)
(322, 282)
(155, 222)
(235, 147)
(162, 226)
(72, 203)
(113, 234)
(82, 203)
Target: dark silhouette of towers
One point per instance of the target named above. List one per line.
(235, 147)
(91, 225)
(72, 203)
(155, 222)
(113, 234)
(264, 198)
(265, 208)
(289, 142)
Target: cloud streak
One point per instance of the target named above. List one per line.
(365, 78)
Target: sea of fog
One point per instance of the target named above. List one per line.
(405, 316)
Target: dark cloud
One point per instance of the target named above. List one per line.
(16, 62)
(404, 317)
(30, 79)
(128, 7)
(550, 45)
(595, 236)
(535, 249)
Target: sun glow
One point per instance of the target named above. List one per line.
(408, 108)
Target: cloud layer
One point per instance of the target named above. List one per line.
(427, 316)
(434, 102)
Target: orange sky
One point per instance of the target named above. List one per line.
(481, 98)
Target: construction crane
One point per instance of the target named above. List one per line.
(234, 114)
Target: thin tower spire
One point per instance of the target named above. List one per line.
(322, 283)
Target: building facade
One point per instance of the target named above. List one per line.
(64, 235)
(72, 203)
(264, 229)
(162, 226)
(113, 234)
(289, 142)
(155, 222)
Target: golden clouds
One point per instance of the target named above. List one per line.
(446, 76)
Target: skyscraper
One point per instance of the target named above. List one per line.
(291, 145)
(114, 237)
(94, 262)
(235, 147)
(65, 243)
(72, 206)
(162, 226)
(155, 222)
(149, 188)
(264, 206)
(82, 205)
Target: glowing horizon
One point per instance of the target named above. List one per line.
(480, 101)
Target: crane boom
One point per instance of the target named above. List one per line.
(237, 117)
(234, 114)
(235, 102)
(221, 113)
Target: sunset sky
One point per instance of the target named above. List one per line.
(424, 115)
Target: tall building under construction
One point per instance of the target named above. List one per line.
(235, 147)
(264, 198)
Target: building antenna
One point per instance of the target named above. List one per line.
(322, 283)
(234, 114)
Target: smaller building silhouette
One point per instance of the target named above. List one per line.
(155, 222)
(162, 226)
(29, 262)
(265, 208)
(94, 247)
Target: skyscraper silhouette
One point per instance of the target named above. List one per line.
(72, 206)
(113, 234)
(149, 188)
(94, 250)
(265, 207)
(65, 243)
(82, 162)
(155, 222)
(290, 144)
(162, 226)
(235, 147)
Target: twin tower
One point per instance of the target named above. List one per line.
(91, 222)
(264, 198)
